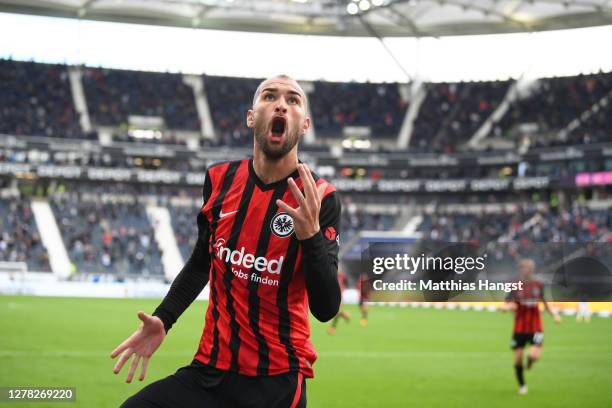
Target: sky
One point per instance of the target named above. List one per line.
(213, 52)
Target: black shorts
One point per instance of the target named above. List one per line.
(520, 340)
(201, 386)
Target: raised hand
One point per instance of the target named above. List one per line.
(306, 215)
(142, 344)
(508, 307)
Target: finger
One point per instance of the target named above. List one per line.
(143, 368)
(133, 368)
(311, 178)
(317, 190)
(120, 348)
(144, 317)
(306, 185)
(309, 190)
(125, 357)
(285, 207)
(297, 194)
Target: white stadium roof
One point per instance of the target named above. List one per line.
(380, 18)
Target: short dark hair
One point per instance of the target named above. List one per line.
(283, 76)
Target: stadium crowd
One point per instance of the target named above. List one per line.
(35, 100)
(476, 229)
(229, 99)
(185, 227)
(546, 235)
(572, 225)
(103, 237)
(355, 219)
(553, 105)
(19, 237)
(114, 95)
(453, 112)
(336, 105)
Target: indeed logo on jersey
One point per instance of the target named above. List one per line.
(237, 257)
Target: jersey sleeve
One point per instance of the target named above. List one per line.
(541, 290)
(192, 279)
(329, 221)
(320, 261)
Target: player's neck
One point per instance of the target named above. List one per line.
(270, 171)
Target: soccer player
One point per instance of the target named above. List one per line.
(263, 248)
(584, 312)
(527, 320)
(364, 287)
(342, 314)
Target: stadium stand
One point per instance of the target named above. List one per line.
(553, 106)
(560, 111)
(229, 99)
(35, 100)
(594, 128)
(452, 112)
(103, 237)
(101, 228)
(114, 95)
(185, 227)
(474, 228)
(98, 159)
(573, 225)
(355, 219)
(545, 234)
(19, 236)
(377, 106)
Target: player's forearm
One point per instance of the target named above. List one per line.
(549, 309)
(321, 276)
(185, 289)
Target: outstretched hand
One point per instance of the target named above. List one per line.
(142, 344)
(306, 215)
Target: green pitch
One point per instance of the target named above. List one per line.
(404, 357)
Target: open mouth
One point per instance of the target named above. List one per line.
(279, 125)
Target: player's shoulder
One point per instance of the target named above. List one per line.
(330, 198)
(329, 189)
(217, 171)
(222, 166)
(540, 287)
(331, 205)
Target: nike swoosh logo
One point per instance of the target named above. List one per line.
(223, 215)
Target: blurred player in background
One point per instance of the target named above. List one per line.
(527, 320)
(364, 287)
(584, 312)
(342, 314)
(262, 248)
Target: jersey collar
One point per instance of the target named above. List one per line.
(271, 186)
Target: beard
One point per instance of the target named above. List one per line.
(274, 152)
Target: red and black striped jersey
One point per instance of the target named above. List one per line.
(257, 317)
(527, 316)
(342, 280)
(364, 286)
